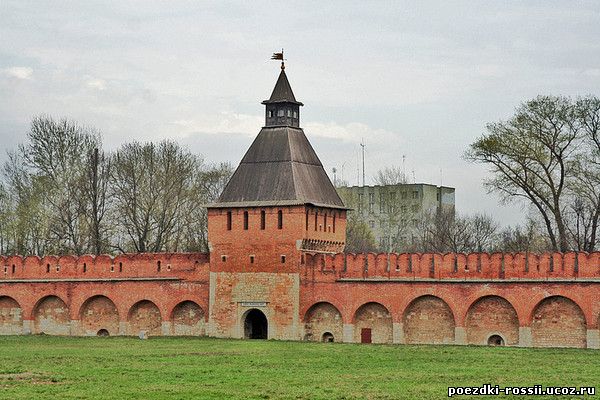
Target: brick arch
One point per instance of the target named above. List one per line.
(11, 316)
(51, 316)
(188, 319)
(492, 315)
(321, 318)
(376, 317)
(558, 321)
(97, 313)
(145, 316)
(428, 319)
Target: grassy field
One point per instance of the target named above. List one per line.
(36, 367)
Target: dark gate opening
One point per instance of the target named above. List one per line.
(103, 333)
(496, 340)
(256, 325)
(328, 337)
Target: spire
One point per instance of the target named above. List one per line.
(282, 108)
(282, 92)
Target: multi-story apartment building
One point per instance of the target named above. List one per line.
(394, 212)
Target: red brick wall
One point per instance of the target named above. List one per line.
(428, 319)
(558, 322)
(492, 315)
(188, 319)
(51, 316)
(323, 318)
(556, 296)
(479, 295)
(375, 317)
(145, 316)
(97, 313)
(11, 321)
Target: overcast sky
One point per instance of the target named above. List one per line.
(418, 79)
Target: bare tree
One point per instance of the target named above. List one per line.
(530, 156)
(152, 187)
(390, 176)
(95, 189)
(484, 229)
(584, 206)
(526, 238)
(55, 155)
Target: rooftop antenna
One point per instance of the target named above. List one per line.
(441, 178)
(362, 144)
(413, 176)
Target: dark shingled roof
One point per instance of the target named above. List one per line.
(282, 92)
(279, 168)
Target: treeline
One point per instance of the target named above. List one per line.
(446, 231)
(61, 193)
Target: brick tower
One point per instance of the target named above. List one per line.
(278, 205)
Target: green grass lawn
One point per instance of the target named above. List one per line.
(36, 367)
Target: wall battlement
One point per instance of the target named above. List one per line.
(147, 265)
(475, 266)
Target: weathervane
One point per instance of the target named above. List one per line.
(279, 56)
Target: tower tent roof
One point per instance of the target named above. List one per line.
(280, 168)
(282, 92)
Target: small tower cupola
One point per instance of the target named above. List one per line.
(282, 109)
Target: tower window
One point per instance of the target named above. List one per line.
(84, 267)
(270, 113)
(295, 114)
(307, 220)
(283, 259)
(251, 259)
(158, 266)
(333, 223)
(281, 113)
(223, 258)
(316, 220)
(279, 219)
(289, 113)
(325, 222)
(263, 220)
(245, 220)
(120, 267)
(228, 220)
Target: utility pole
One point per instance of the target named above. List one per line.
(362, 144)
(404, 180)
(357, 170)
